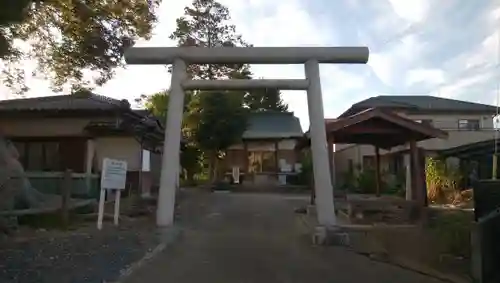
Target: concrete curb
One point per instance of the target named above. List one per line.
(167, 237)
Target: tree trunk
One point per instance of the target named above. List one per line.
(190, 177)
(212, 161)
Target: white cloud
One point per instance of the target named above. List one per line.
(464, 85)
(411, 10)
(289, 25)
(474, 73)
(428, 77)
(486, 54)
(494, 15)
(396, 59)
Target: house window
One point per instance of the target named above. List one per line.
(470, 125)
(262, 161)
(39, 156)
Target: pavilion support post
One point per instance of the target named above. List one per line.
(422, 180)
(419, 191)
(377, 170)
(409, 178)
(413, 169)
(322, 180)
(171, 147)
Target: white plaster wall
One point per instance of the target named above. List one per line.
(122, 148)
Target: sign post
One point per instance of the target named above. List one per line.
(113, 177)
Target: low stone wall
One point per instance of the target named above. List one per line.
(409, 246)
(439, 247)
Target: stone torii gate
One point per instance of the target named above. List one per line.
(311, 57)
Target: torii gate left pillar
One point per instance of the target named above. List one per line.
(311, 57)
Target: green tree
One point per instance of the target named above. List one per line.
(222, 122)
(191, 156)
(191, 160)
(157, 103)
(263, 100)
(70, 38)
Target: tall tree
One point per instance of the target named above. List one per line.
(205, 24)
(69, 38)
(263, 100)
(216, 120)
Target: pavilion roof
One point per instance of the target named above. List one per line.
(379, 128)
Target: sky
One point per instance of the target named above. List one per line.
(446, 48)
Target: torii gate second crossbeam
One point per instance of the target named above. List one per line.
(311, 57)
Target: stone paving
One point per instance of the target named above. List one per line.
(247, 238)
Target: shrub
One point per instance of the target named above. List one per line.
(443, 183)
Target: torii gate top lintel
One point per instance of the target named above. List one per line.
(246, 55)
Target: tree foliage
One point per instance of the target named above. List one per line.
(222, 121)
(264, 100)
(70, 38)
(157, 103)
(190, 160)
(205, 24)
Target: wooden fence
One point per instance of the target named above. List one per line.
(51, 183)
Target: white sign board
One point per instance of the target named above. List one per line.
(146, 160)
(113, 177)
(114, 174)
(236, 175)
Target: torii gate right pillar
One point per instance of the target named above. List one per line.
(321, 165)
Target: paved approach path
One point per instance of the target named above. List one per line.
(252, 238)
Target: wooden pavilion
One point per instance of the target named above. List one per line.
(383, 130)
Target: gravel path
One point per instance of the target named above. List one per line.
(246, 238)
(91, 256)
